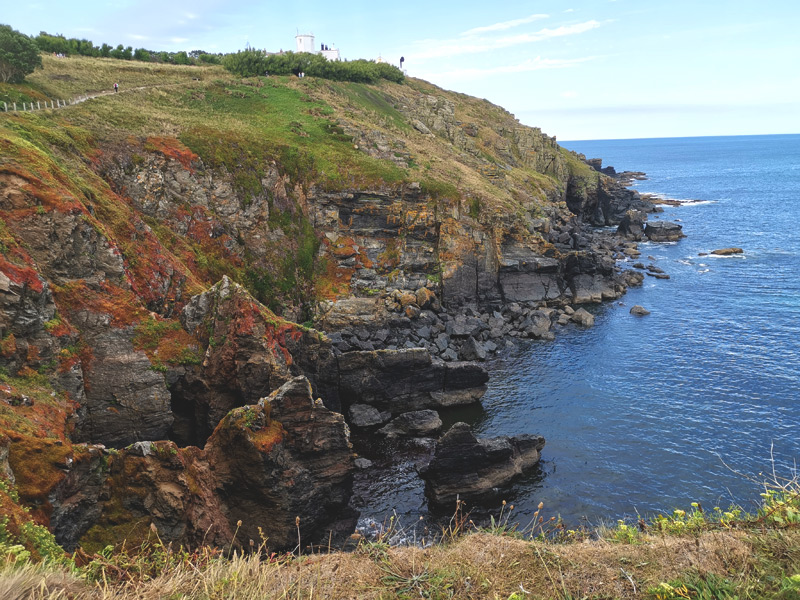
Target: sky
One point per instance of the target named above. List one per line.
(586, 69)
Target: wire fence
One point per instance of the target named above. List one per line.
(45, 104)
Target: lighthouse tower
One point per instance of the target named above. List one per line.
(305, 42)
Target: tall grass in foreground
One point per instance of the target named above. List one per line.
(694, 554)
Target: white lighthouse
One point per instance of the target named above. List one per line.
(305, 42)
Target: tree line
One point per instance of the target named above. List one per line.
(20, 56)
(58, 44)
(250, 62)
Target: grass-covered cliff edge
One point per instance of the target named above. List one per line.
(159, 248)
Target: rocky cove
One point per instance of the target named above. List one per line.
(154, 372)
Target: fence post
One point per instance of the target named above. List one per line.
(38, 106)
(5, 107)
(15, 107)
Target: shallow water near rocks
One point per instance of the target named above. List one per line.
(639, 413)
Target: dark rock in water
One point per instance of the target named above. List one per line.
(419, 423)
(664, 231)
(632, 225)
(639, 311)
(364, 415)
(658, 275)
(727, 251)
(475, 470)
(654, 269)
(582, 317)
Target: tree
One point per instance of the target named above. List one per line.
(19, 55)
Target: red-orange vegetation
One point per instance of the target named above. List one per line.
(334, 282)
(21, 275)
(172, 148)
(69, 357)
(119, 303)
(8, 346)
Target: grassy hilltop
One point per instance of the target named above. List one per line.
(269, 144)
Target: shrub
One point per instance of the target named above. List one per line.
(19, 55)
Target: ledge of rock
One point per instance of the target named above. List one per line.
(418, 423)
(664, 231)
(400, 381)
(727, 251)
(474, 470)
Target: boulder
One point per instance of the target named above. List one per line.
(632, 225)
(475, 470)
(727, 251)
(472, 350)
(639, 311)
(582, 317)
(426, 298)
(664, 231)
(419, 423)
(364, 415)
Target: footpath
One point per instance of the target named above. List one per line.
(56, 104)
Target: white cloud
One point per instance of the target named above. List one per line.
(531, 64)
(178, 40)
(444, 48)
(505, 24)
(569, 94)
(136, 36)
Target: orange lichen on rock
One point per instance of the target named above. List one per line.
(267, 437)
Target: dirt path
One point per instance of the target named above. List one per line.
(80, 99)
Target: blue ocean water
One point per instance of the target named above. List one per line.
(640, 413)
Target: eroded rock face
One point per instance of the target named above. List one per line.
(475, 470)
(266, 464)
(125, 400)
(285, 458)
(248, 353)
(398, 381)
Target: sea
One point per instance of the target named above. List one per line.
(698, 401)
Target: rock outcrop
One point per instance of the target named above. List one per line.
(267, 465)
(476, 470)
(664, 231)
(399, 381)
(286, 458)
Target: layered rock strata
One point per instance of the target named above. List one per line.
(476, 470)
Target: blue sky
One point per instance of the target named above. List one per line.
(599, 69)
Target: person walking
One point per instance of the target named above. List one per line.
(116, 88)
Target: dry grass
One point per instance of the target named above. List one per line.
(475, 566)
(79, 75)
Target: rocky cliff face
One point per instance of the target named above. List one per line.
(149, 360)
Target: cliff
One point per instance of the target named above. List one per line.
(159, 246)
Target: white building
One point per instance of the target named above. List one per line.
(305, 43)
